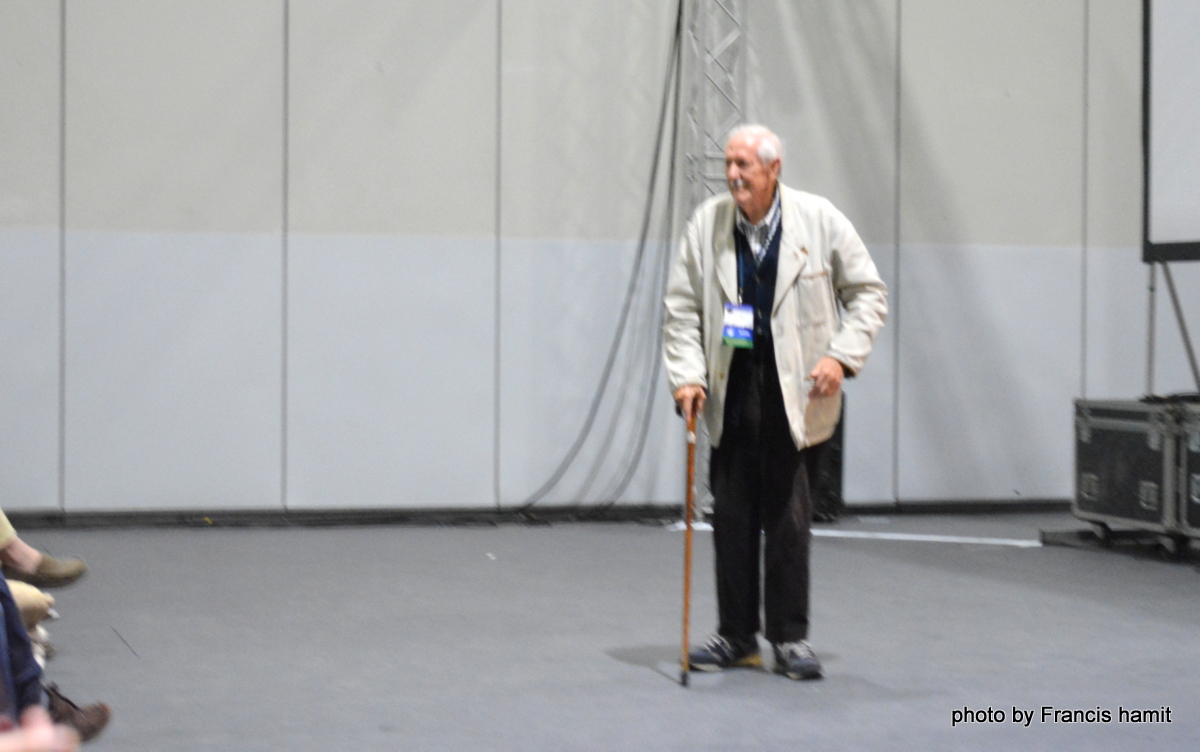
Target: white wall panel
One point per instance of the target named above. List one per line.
(823, 76)
(1118, 332)
(174, 115)
(582, 86)
(29, 118)
(991, 203)
(390, 372)
(991, 122)
(869, 459)
(561, 305)
(392, 117)
(661, 475)
(1172, 371)
(578, 132)
(1116, 308)
(392, 198)
(29, 361)
(989, 364)
(1114, 125)
(1117, 300)
(29, 254)
(174, 276)
(173, 380)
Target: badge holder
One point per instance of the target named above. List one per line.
(738, 330)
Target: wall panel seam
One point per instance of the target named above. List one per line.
(496, 261)
(894, 308)
(1083, 283)
(285, 229)
(62, 256)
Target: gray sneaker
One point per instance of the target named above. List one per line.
(720, 653)
(796, 660)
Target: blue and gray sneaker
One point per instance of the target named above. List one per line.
(796, 660)
(720, 653)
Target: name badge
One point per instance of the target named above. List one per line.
(739, 326)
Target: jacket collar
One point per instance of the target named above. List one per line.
(725, 250)
(793, 246)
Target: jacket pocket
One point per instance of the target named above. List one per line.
(814, 297)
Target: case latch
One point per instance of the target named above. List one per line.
(1148, 494)
(1083, 427)
(1089, 486)
(1158, 430)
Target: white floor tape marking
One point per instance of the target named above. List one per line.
(700, 527)
(867, 535)
(1015, 542)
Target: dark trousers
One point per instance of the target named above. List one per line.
(20, 674)
(760, 496)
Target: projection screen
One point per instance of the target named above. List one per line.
(1171, 130)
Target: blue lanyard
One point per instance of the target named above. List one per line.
(741, 266)
(743, 269)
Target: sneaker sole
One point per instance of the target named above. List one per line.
(797, 676)
(750, 661)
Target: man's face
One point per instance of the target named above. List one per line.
(751, 183)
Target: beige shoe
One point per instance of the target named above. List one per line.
(50, 573)
(33, 604)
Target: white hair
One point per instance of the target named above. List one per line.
(770, 148)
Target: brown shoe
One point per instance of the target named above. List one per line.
(87, 721)
(51, 572)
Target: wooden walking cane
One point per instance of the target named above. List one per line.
(689, 494)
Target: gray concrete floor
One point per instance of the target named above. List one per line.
(566, 637)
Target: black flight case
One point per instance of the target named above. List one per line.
(1189, 467)
(1127, 470)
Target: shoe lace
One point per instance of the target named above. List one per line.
(799, 649)
(58, 703)
(718, 644)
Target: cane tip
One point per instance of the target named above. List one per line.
(683, 678)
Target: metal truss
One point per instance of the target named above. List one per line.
(715, 83)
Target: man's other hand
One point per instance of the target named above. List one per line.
(826, 378)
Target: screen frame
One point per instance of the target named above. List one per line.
(1186, 250)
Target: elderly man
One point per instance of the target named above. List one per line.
(754, 340)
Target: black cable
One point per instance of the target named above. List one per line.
(633, 364)
(647, 337)
(643, 351)
(639, 259)
(651, 386)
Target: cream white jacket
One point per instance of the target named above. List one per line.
(822, 262)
